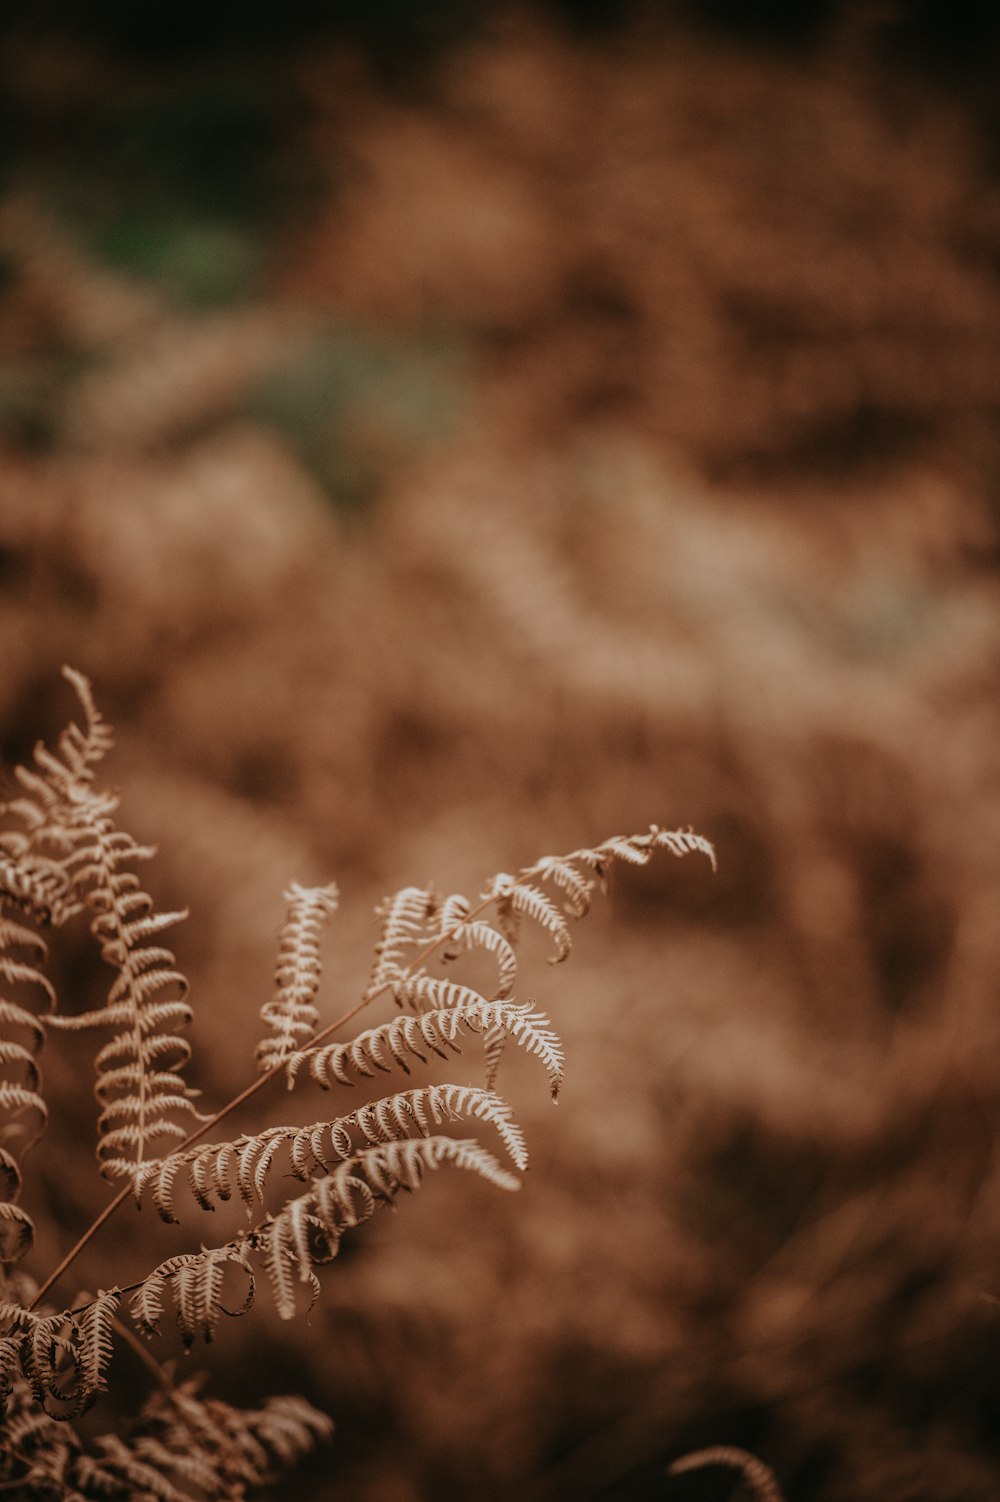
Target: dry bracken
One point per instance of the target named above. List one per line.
(62, 856)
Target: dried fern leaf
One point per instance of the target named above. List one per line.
(68, 820)
(306, 1232)
(36, 885)
(760, 1479)
(95, 1325)
(207, 1448)
(398, 1042)
(576, 888)
(574, 876)
(23, 1112)
(210, 1171)
(51, 790)
(10, 1367)
(451, 918)
(181, 1448)
(288, 1428)
(681, 842)
(292, 1015)
(515, 898)
(125, 1472)
(480, 935)
(349, 1195)
(37, 1452)
(395, 1165)
(64, 1357)
(393, 1118)
(422, 993)
(146, 1304)
(17, 1229)
(407, 926)
(148, 1466)
(245, 1164)
(197, 1290)
(392, 1044)
(194, 1282)
(494, 1045)
(416, 923)
(138, 1072)
(35, 868)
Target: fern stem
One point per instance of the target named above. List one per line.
(234, 1105)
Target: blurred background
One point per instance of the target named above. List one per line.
(448, 434)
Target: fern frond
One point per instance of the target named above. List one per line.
(215, 1449)
(36, 885)
(197, 1289)
(146, 1304)
(126, 1472)
(64, 1357)
(426, 992)
(69, 855)
(138, 1071)
(479, 935)
(415, 920)
(407, 925)
(292, 1015)
(515, 897)
(194, 1281)
(52, 788)
(17, 1229)
(23, 1113)
(181, 1448)
(69, 822)
(10, 1368)
(636, 849)
(288, 1428)
(561, 873)
(95, 1325)
(681, 842)
(494, 1045)
(306, 1232)
(393, 1118)
(349, 1195)
(391, 1044)
(450, 918)
(245, 1164)
(760, 1479)
(209, 1448)
(395, 1165)
(37, 1451)
(398, 1042)
(521, 896)
(210, 1170)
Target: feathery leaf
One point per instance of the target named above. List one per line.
(68, 821)
(407, 925)
(397, 1042)
(292, 1015)
(245, 1163)
(23, 1112)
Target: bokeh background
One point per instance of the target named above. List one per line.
(448, 434)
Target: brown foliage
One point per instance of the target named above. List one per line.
(715, 532)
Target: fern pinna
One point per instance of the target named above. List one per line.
(63, 858)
